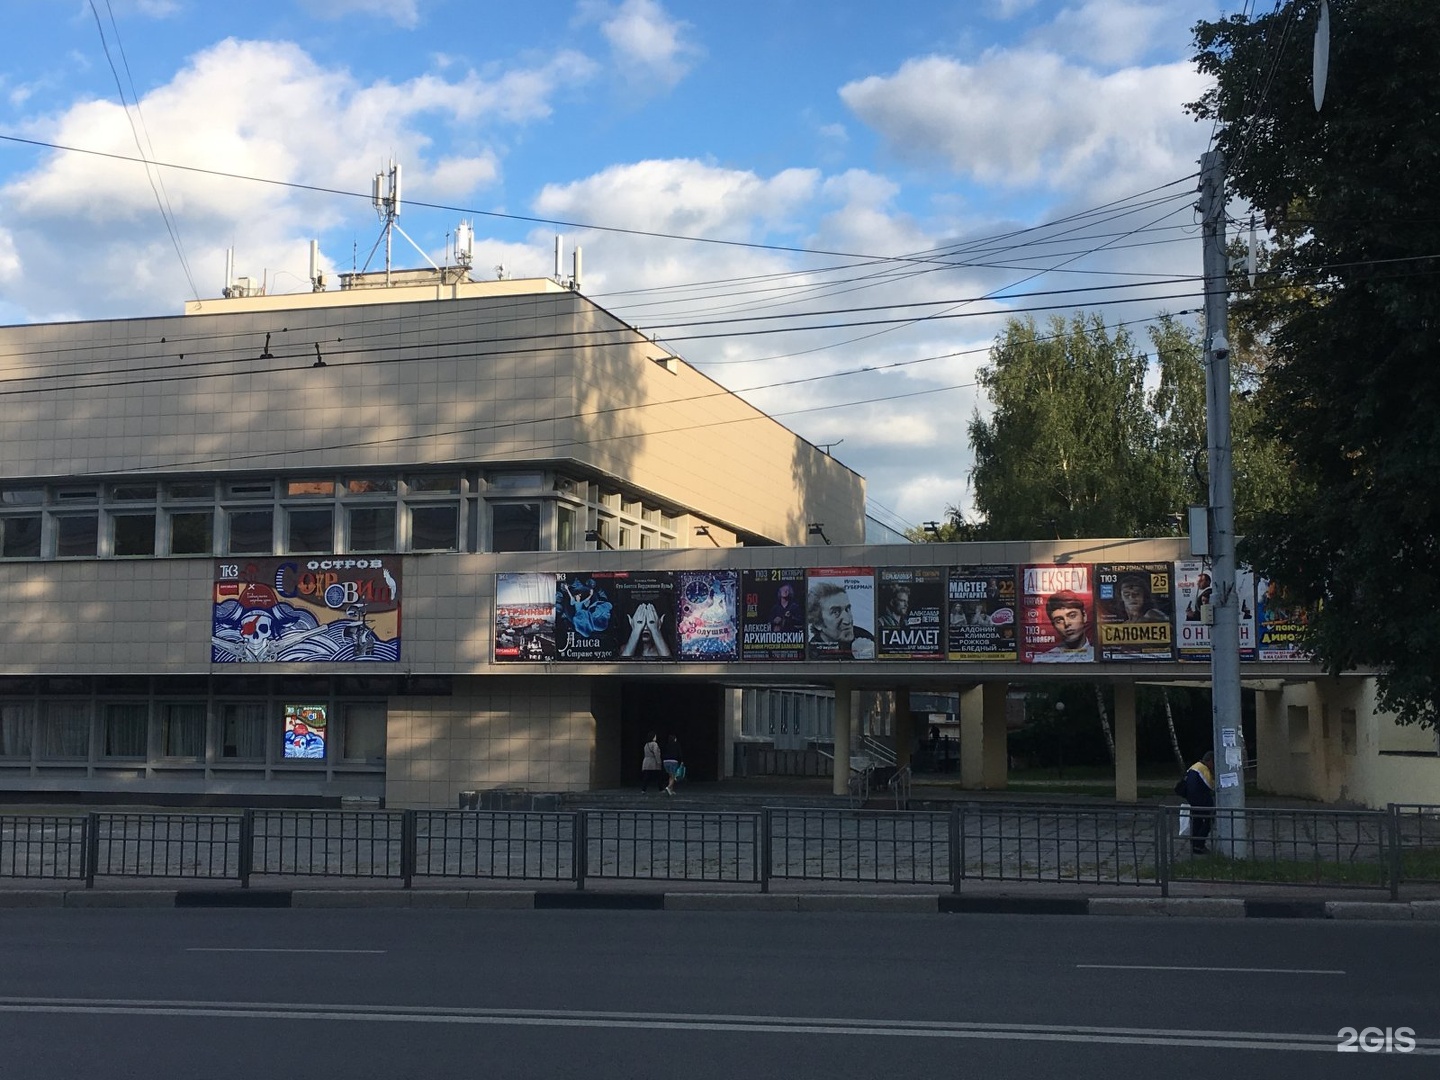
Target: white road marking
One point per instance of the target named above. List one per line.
(1185, 966)
(377, 952)
(310, 1012)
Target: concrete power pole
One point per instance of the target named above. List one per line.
(1226, 729)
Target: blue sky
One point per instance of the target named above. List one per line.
(840, 139)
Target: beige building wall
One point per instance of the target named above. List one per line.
(537, 733)
(1324, 740)
(545, 377)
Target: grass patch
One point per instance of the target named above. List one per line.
(1420, 865)
(1215, 867)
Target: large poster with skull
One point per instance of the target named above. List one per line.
(336, 608)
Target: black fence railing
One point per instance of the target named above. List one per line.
(1011, 842)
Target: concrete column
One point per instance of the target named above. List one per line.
(904, 726)
(996, 737)
(972, 737)
(1126, 788)
(1272, 743)
(841, 779)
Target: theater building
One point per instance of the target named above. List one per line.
(401, 541)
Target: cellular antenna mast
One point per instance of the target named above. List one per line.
(385, 194)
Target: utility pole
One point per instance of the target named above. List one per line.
(1227, 733)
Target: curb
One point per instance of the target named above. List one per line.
(1202, 907)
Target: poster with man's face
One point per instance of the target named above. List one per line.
(984, 617)
(1058, 614)
(772, 618)
(1135, 604)
(1194, 594)
(840, 613)
(910, 619)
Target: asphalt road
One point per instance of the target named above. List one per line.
(417, 993)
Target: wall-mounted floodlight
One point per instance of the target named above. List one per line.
(593, 537)
(817, 528)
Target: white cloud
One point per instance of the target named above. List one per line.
(1028, 119)
(251, 108)
(1113, 32)
(403, 12)
(9, 257)
(648, 45)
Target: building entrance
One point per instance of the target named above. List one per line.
(691, 711)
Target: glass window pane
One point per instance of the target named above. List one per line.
(365, 731)
(77, 494)
(516, 481)
(124, 729)
(565, 529)
(22, 496)
(190, 534)
(250, 489)
(16, 725)
(434, 528)
(301, 489)
(515, 527)
(135, 534)
(312, 531)
(132, 492)
(66, 730)
(75, 537)
(372, 528)
(378, 486)
(190, 490)
(20, 537)
(434, 484)
(242, 730)
(183, 729)
(251, 533)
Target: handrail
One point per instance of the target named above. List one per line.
(900, 785)
(878, 750)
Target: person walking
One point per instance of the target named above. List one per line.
(1199, 784)
(673, 763)
(652, 767)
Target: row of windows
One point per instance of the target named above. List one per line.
(419, 513)
(215, 732)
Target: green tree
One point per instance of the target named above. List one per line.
(1073, 445)
(1350, 383)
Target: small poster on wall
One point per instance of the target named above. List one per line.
(706, 614)
(840, 613)
(305, 731)
(772, 617)
(524, 617)
(984, 619)
(1135, 604)
(1059, 614)
(911, 605)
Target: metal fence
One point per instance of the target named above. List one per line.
(1009, 842)
(1343, 848)
(1417, 836)
(671, 846)
(859, 845)
(1084, 845)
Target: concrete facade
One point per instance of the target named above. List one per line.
(454, 403)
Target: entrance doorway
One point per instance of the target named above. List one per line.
(691, 711)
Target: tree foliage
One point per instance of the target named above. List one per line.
(1075, 445)
(1346, 319)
